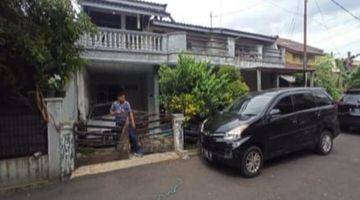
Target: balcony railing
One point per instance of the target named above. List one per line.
(116, 39)
(268, 56)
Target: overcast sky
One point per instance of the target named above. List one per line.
(330, 28)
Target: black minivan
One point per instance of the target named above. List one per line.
(262, 125)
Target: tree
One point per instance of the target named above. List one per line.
(327, 78)
(354, 78)
(198, 89)
(38, 43)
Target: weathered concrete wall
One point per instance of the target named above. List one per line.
(70, 107)
(22, 171)
(61, 145)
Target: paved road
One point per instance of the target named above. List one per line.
(302, 176)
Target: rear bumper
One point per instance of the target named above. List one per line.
(349, 120)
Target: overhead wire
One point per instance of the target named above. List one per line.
(346, 10)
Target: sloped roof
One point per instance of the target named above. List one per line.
(225, 31)
(298, 47)
(133, 6)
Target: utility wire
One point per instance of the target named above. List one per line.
(327, 28)
(294, 20)
(346, 10)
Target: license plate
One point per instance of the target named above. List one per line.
(355, 110)
(207, 154)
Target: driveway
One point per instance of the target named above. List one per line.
(302, 176)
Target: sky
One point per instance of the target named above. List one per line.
(329, 27)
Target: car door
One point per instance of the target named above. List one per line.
(281, 126)
(307, 117)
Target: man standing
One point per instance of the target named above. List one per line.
(121, 109)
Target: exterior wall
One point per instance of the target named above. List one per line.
(70, 102)
(297, 59)
(22, 171)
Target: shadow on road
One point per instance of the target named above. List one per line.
(234, 172)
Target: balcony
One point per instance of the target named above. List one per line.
(116, 39)
(257, 56)
(153, 48)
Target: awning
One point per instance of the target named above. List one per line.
(290, 79)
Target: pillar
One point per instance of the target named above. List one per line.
(178, 131)
(260, 51)
(153, 92)
(61, 144)
(54, 107)
(231, 46)
(277, 81)
(258, 76)
(311, 79)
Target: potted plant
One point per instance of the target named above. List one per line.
(54, 87)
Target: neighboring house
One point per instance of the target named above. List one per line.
(294, 54)
(135, 37)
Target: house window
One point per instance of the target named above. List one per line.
(109, 20)
(132, 23)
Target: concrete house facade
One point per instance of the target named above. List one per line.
(136, 37)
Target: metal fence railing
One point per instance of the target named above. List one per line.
(22, 131)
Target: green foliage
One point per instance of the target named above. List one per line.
(326, 78)
(354, 78)
(38, 41)
(198, 89)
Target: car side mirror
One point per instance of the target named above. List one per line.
(275, 112)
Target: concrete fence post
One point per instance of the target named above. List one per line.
(178, 130)
(61, 144)
(54, 107)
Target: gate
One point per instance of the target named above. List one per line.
(99, 139)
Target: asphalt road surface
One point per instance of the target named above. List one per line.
(301, 175)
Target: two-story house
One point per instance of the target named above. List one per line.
(135, 37)
(294, 55)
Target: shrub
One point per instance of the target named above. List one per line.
(198, 89)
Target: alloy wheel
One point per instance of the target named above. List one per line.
(253, 162)
(326, 143)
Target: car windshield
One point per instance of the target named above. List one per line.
(250, 105)
(352, 98)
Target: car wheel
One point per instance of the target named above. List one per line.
(325, 144)
(251, 162)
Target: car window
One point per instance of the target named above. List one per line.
(250, 105)
(351, 98)
(284, 105)
(303, 101)
(322, 99)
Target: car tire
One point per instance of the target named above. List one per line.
(325, 144)
(251, 162)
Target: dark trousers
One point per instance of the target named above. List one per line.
(135, 148)
(133, 140)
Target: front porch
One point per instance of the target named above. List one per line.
(100, 81)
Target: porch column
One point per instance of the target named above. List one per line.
(153, 92)
(258, 76)
(260, 51)
(311, 79)
(277, 81)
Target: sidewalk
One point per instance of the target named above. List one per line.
(123, 164)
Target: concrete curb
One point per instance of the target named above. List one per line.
(123, 164)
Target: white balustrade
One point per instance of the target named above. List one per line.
(111, 39)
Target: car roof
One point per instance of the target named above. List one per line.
(278, 91)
